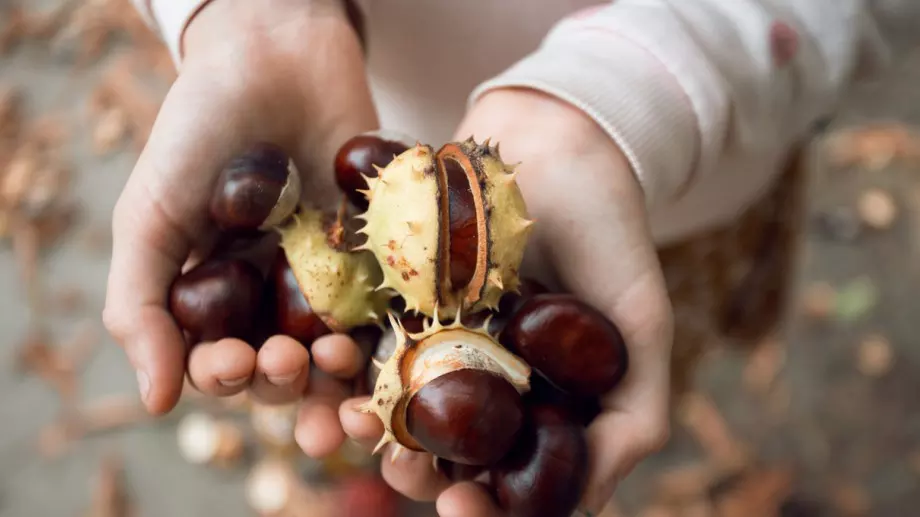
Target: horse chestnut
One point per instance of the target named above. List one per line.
(448, 227)
(360, 156)
(463, 232)
(507, 307)
(569, 342)
(466, 416)
(458, 472)
(448, 390)
(582, 409)
(256, 191)
(547, 470)
(217, 299)
(294, 316)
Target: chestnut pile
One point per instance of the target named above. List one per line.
(492, 374)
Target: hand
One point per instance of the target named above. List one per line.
(591, 238)
(286, 72)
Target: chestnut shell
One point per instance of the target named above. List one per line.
(293, 314)
(217, 299)
(248, 188)
(466, 416)
(568, 341)
(546, 472)
(358, 156)
(458, 472)
(581, 409)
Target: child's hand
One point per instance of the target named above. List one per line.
(286, 72)
(591, 235)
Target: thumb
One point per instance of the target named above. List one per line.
(159, 218)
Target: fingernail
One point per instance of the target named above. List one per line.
(283, 380)
(143, 384)
(232, 383)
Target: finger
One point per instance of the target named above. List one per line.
(221, 368)
(318, 431)
(467, 500)
(156, 222)
(338, 355)
(282, 370)
(365, 429)
(412, 473)
(611, 223)
(337, 114)
(634, 297)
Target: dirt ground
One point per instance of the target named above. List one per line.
(834, 398)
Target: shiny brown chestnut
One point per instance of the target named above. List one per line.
(470, 417)
(546, 472)
(582, 409)
(359, 155)
(511, 302)
(507, 307)
(463, 227)
(255, 191)
(570, 342)
(294, 316)
(217, 299)
(457, 472)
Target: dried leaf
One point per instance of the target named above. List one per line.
(110, 130)
(877, 209)
(100, 415)
(819, 300)
(68, 299)
(856, 299)
(109, 496)
(850, 500)
(873, 146)
(702, 418)
(759, 494)
(875, 356)
(763, 366)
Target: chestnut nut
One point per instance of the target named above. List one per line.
(570, 342)
(294, 316)
(547, 471)
(359, 156)
(217, 299)
(466, 416)
(255, 191)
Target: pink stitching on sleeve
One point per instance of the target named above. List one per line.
(784, 43)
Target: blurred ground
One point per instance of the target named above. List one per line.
(834, 398)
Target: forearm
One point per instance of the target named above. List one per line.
(171, 18)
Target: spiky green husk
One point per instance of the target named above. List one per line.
(420, 358)
(403, 227)
(405, 224)
(509, 224)
(338, 284)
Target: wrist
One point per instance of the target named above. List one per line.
(248, 30)
(545, 133)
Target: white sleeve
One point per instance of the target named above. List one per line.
(681, 85)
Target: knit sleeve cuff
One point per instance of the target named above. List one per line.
(627, 91)
(172, 17)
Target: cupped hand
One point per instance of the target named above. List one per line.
(289, 73)
(590, 239)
